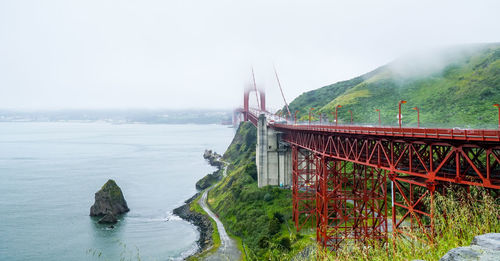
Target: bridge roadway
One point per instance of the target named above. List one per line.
(418, 161)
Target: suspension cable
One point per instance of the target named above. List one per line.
(281, 90)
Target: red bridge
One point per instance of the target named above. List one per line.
(340, 174)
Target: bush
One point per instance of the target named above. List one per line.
(279, 217)
(268, 197)
(264, 242)
(285, 243)
(274, 226)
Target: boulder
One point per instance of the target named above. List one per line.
(109, 200)
(484, 247)
(463, 253)
(490, 241)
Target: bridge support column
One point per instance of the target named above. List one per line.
(273, 157)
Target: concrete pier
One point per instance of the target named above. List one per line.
(273, 157)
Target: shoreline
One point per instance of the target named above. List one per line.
(202, 222)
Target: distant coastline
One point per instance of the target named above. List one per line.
(120, 116)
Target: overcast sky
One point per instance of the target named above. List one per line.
(199, 54)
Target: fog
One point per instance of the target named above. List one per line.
(199, 54)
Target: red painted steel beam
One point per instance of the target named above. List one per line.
(475, 164)
(426, 133)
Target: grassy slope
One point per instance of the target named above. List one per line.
(457, 88)
(249, 212)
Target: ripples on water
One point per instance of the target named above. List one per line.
(49, 173)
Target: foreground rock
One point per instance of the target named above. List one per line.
(484, 247)
(109, 203)
(202, 222)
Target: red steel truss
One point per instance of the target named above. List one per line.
(304, 183)
(415, 166)
(351, 202)
(339, 175)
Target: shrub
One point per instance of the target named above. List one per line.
(268, 197)
(279, 217)
(285, 243)
(274, 226)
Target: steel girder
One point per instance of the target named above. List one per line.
(416, 168)
(466, 163)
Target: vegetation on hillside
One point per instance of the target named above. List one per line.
(455, 87)
(261, 217)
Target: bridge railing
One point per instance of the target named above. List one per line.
(434, 133)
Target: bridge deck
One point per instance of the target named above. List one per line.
(426, 133)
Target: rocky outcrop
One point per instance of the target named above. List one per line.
(213, 158)
(201, 221)
(109, 203)
(208, 180)
(483, 247)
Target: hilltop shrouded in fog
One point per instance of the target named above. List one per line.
(453, 87)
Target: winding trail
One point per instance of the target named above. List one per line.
(228, 249)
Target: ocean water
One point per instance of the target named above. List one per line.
(49, 173)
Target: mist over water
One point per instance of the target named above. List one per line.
(50, 172)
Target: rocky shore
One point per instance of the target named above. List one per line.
(201, 221)
(214, 159)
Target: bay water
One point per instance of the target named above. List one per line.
(49, 173)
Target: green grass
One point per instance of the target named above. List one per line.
(467, 215)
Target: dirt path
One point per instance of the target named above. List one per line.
(228, 249)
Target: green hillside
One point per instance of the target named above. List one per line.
(454, 87)
(260, 217)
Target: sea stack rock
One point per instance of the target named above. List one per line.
(109, 203)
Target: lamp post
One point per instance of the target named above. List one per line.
(319, 115)
(295, 117)
(310, 110)
(336, 109)
(351, 115)
(498, 106)
(399, 115)
(379, 122)
(418, 116)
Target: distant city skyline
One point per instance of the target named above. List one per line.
(198, 54)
